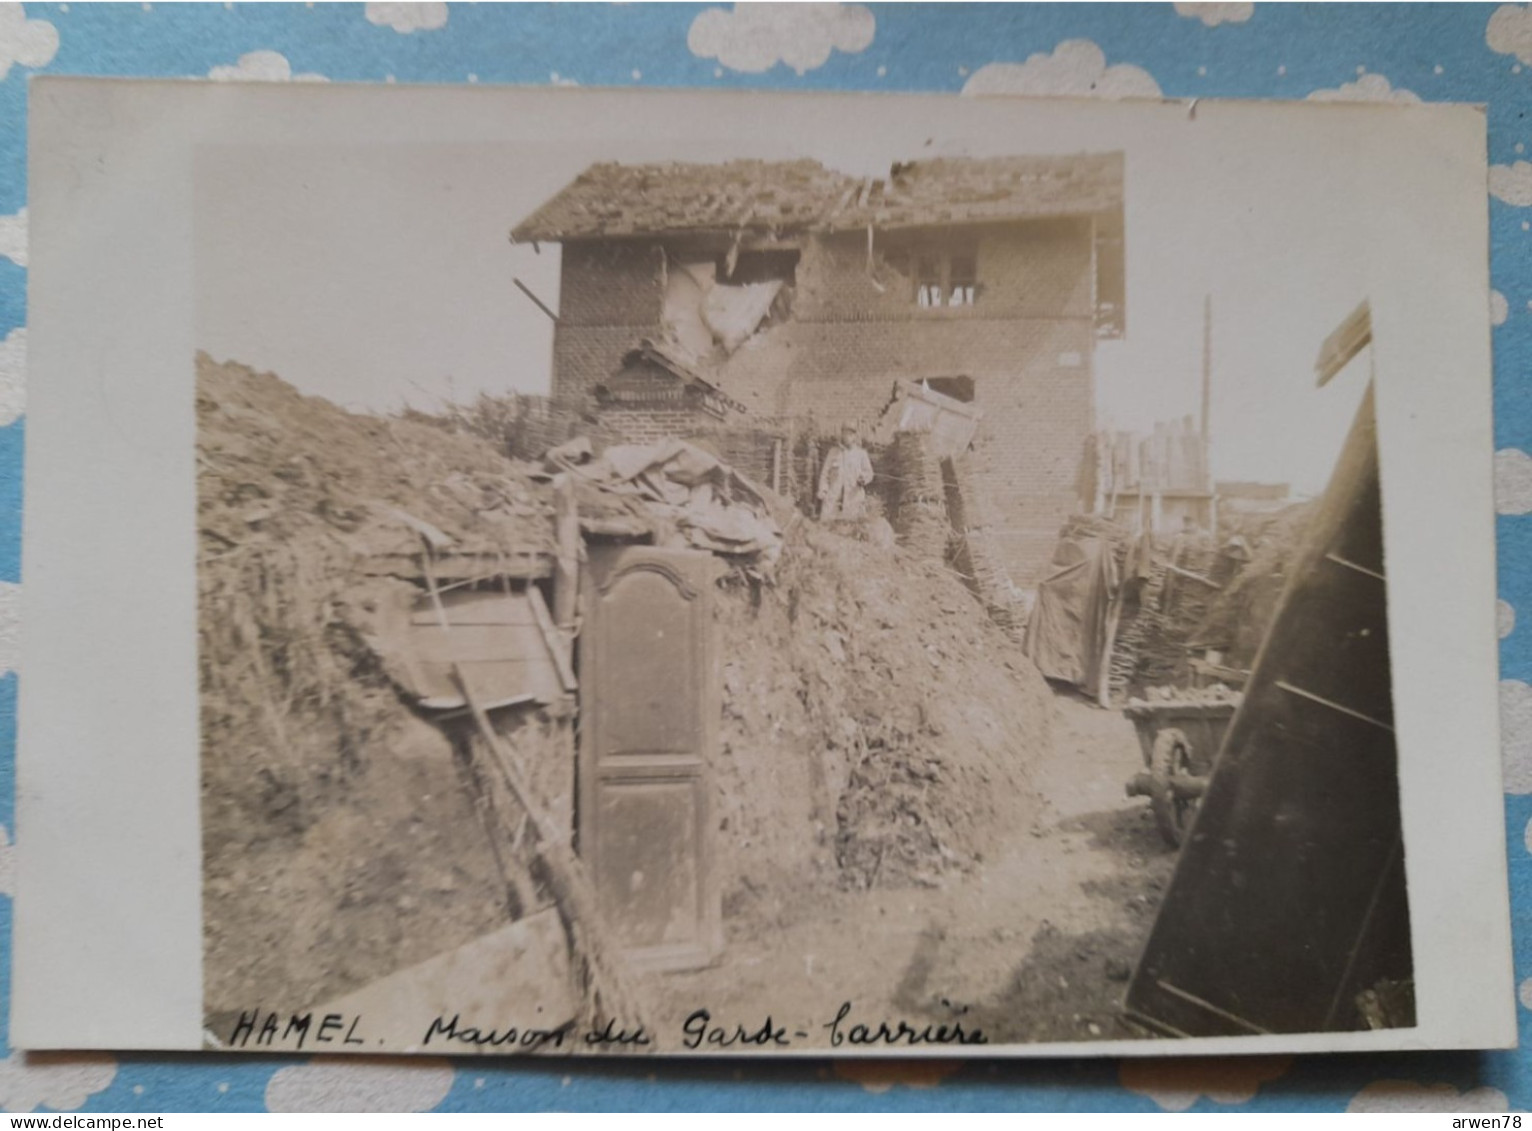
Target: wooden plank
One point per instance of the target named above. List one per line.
(462, 567)
(1348, 340)
(478, 607)
(1340, 561)
(557, 645)
(478, 643)
(1331, 704)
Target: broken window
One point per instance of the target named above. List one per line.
(773, 266)
(962, 280)
(704, 304)
(958, 388)
(928, 280)
(941, 278)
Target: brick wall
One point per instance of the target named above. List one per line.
(1040, 269)
(1037, 407)
(652, 423)
(1028, 344)
(611, 284)
(610, 296)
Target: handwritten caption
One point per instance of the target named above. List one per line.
(701, 1030)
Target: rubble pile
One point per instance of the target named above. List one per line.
(1238, 616)
(334, 821)
(878, 727)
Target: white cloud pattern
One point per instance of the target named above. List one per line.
(1074, 67)
(1513, 481)
(1516, 735)
(1512, 183)
(61, 1081)
(30, 43)
(408, 18)
(1510, 31)
(756, 37)
(358, 1084)
(1213, 14)
(1367, 88)
(13, 376)
(1407, 1095)
(261, 66)
(10, 627)
(13, 237)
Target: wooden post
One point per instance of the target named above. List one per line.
(1207, 391)
(1109, 642)
(614, 996)
(566, 569)
(566, 618)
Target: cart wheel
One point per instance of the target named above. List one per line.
(1171, 758)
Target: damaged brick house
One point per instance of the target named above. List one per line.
(768, 296)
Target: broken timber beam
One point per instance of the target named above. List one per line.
(611, 992)
(557, 643)
(539, 303)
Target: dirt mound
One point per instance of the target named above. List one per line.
(877, 731)
(879, 728)
(339, 843)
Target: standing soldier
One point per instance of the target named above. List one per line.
(843, 480)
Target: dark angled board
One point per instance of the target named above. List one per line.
(1288, 899)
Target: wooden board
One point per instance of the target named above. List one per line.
(493, 637)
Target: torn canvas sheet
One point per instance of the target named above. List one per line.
(1066, 635)
(733, 313)
(713, 506)
(700, 311)
(686, 290)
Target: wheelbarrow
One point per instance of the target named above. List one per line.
(1180, 739)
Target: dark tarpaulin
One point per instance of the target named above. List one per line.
(1066, 635)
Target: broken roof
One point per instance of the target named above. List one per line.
(671, 358)
(775, 197)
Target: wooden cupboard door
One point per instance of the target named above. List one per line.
(649, 724)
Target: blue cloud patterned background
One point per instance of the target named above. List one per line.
(1458, 52)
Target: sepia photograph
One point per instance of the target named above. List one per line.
(839, 609)
(838, 575)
